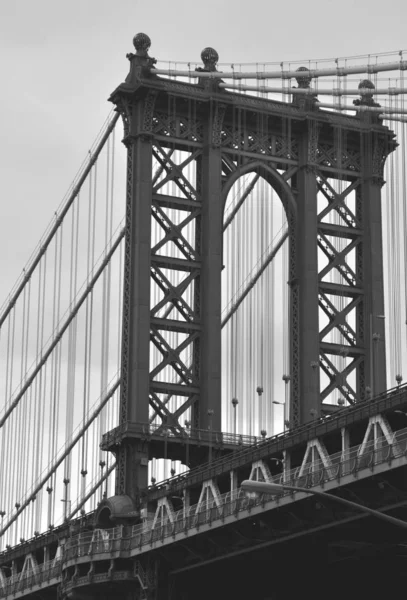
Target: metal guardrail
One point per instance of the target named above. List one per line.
(355, 459)
(341, 418)
(189, 435)
(18, 583)
(102, 542)
(118, 539)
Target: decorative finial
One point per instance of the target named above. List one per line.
(142, 44)
(304, 101)
(209, 58)
(304, 81)
(140, 63)
(366, 97)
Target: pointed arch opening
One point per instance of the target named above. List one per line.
(257, 330)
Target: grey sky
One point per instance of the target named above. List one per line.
(60, 60)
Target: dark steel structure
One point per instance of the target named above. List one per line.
(299, 150)
(328, 172)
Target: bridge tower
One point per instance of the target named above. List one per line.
(202, 139)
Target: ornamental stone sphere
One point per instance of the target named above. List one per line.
(366, 84)
(209, 58)
(142, 43)
(305, 80)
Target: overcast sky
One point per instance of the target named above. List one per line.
(60, 60)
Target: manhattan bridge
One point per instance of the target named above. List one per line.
(220, 297)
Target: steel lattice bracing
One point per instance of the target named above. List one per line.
(198, 158)
(187, 146)
(216, 182)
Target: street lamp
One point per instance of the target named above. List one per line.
(235, 402)
(275, 489)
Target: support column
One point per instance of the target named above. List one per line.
(373, 156)
(307, 270)
(210, 288)
(135, 407)
(132, 455)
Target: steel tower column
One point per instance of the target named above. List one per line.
(136, 110)
(211, 257)
(133, 462)
(307, 270)
(374, 153)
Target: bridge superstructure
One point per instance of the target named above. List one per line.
(192, 144)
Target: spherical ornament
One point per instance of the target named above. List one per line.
(341, 402)
(304, 80)
(209, 58)
(142, 43)
(366, 84)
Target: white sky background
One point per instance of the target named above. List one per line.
(59, 61)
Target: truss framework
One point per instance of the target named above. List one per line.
(186, 149)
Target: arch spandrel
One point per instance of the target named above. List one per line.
(273, 178)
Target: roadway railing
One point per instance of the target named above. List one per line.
(141, 536)
(19, 582)
(189, 435)
(341, 418)
(313, 474)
